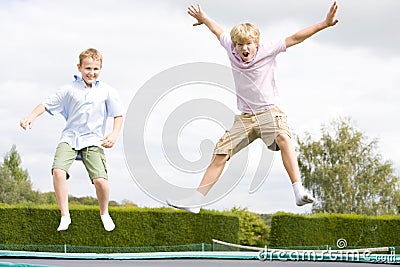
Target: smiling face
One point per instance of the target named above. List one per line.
(90, 70)
(246, 50)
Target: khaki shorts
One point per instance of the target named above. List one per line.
(267, 125)
(92, 157)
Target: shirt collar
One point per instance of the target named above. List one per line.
(79, 79)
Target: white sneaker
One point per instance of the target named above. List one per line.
(190, 204)
(107, 222)
(305, 199)
(64, 223)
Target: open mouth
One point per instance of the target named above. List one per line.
(246, 54)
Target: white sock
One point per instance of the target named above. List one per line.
(195, 199)
(298, 190)
(190, 204)
(107, 222)
(301, 195)
(198, 197)
(64, 223)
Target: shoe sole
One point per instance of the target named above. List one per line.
(305, 202)
(190, 210)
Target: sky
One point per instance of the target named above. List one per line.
(352, 69)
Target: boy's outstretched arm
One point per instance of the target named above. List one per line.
(27, 122)
(202, 18)
(301, 35)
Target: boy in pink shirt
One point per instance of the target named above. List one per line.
(253, 64)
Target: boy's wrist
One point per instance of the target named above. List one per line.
(324, 24)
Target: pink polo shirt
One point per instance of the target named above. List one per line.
(254, 81)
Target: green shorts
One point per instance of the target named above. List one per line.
(92, 157)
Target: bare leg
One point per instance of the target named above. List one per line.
(103, 194)
(212, 173)
(61, 189)
(210, 177)
(103, 197)
(289, 157)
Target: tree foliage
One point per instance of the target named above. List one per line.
(15, 185)
(345, 172)
(253, 229)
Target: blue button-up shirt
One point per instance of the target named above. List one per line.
(85, 111)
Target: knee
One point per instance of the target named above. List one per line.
(283, 140)
(220, 160)
(58, 173)
(100, 182)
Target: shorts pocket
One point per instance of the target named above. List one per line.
(281, 122)
(103, 160)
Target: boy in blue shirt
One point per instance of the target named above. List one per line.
(85, 104)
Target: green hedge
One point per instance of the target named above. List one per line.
(134, 227)
(288, 230)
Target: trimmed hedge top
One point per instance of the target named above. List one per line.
(134, 226)
(326, 229)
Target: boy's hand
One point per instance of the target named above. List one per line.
(197, 14)
(26, 123)
(202, 18)
(330, 19)
(109, 140)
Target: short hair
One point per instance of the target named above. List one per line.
(91, 53)
(244, 32)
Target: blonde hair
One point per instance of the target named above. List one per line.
(91, 53)
(245, 32)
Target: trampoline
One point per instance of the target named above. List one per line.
(200, 258)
